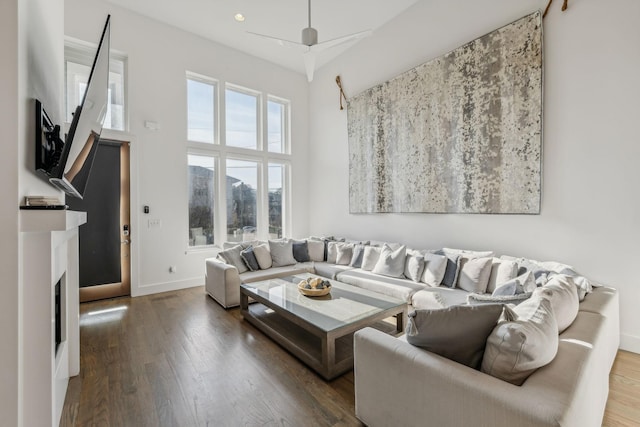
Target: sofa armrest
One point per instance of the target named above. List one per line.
(222, 282)
(399, 384)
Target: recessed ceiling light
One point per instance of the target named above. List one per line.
(239, 17)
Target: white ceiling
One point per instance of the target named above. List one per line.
(214, 20)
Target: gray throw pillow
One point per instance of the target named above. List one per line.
(458, 333)
(301, 251)
(434, 269)
(413, 267)
(358, 256)
(232, 257)
(391, 262)
(451, 271)
(249, 259)
(281, 252)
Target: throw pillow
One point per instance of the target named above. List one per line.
(501, 271)
(332, 251)
(263, 256)
(452, 268)
(414, 267)
(434, 269)
(301, 251)
(281, 252)
(391, 262)
(370, 257)
(518, 285)
(564, 300)
(458, 333)
(358, 256)
(515, 349)
(316, 250)
(232, 257)
(474, 274)
(476, 299)
(344, 254)
(249, 259)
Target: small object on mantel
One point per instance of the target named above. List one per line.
(342, 95)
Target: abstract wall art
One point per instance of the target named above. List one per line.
(459, 134)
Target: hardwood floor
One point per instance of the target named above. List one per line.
(179, 359)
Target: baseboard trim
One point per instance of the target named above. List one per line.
(155, 288)
(630, 343)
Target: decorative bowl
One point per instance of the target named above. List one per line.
(314, 291)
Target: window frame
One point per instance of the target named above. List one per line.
(286, 124)
(216, 107)
(259, 113)
(216, 187)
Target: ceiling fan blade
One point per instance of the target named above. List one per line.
(340, 40)
(281, 42)
(309, 59)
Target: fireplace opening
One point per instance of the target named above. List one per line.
(58, 315)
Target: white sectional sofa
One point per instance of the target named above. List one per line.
(397, 383)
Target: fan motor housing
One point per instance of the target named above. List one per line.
(309, 36)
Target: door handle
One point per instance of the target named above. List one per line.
(126, 241)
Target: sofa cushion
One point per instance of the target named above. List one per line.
(328, 270)
(414, 267)
(391, 262)
(249, 259)
(263, 256)
(344, 254)
(401, 289)
(271, 273)
(515, 349)
(232, 257)
(564, 300)
(474, 274)
(316, 250)
(502, 270)
(281, 252)
(300, 250)
(370, 257)
(434, 269)
(458, 333)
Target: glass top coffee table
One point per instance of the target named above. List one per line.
(318, 330)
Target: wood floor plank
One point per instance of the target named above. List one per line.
(179, 359)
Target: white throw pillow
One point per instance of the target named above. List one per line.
(281, 252)
(332, 251)
(263, 256)
(515, 349)
(344, 254)
(502, 271)
(435, 266)
(564, 300)
(370, 257)
(391, 262)
(525, 283)
(474, 275)
(316, 250)
(413, 267)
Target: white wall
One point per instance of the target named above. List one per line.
(158, 57)
(8, 212)
(590, 214)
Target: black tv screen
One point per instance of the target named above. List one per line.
(68, 165)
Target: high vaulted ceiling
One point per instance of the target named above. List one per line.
(214, 20)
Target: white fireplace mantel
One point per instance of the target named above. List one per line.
(49, 254)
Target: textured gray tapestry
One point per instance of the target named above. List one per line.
(461, 133)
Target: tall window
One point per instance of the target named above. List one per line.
(201, 111)
(201, 192)
(78, 61)
(241, 119)
(247, 132)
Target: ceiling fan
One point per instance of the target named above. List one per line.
(310, 43)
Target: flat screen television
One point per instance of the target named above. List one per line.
(67, 164)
